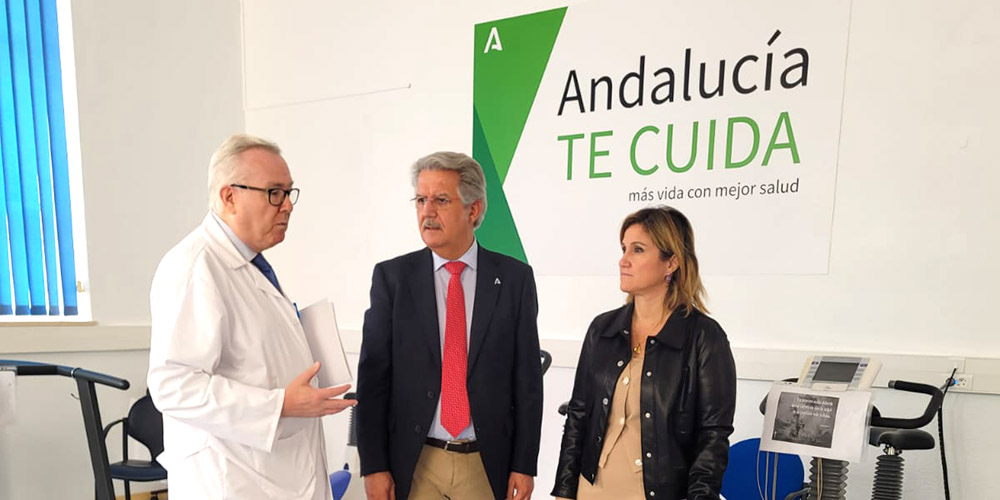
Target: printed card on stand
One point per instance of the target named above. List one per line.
(826, 424)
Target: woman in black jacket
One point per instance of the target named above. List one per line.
(655, 390)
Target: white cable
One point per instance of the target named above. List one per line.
(774, 480)
(819, 478)
(760, 492)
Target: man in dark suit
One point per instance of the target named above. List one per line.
(449, 381)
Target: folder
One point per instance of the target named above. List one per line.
(319, 320)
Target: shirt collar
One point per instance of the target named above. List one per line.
(241, 247)
(673, 332)
(470, 257)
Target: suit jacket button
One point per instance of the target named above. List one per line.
(417, 429)
(430, 394)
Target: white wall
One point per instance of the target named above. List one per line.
(355, 92)
(159, 87)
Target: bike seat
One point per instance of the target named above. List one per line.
(901, 439)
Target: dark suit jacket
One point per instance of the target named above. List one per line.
(399, 373)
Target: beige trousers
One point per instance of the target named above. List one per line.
(449, 475)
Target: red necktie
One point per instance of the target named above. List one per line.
(454, 397)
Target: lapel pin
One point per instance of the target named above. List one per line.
(496, 281)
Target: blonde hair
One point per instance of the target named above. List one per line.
(671, 232)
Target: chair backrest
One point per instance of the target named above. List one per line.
(757, 475)
(546, 359)
(145, 424)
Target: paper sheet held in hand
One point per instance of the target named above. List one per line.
(320, 324)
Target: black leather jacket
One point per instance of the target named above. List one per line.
(687, 400)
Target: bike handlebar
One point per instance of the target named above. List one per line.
(878, 420)
(26, 368)
(911, 423)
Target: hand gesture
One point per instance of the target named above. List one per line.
(304, 400)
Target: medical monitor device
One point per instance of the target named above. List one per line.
(839, 373)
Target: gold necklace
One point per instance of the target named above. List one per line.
(637, 348)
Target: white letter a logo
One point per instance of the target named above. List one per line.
(493, 42)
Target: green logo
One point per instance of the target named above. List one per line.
(510, 59)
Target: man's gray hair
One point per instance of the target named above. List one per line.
(471, 181)
(224, 168)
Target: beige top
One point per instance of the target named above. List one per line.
(619, 470)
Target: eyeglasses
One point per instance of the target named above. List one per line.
(438, 202)
(275, 196)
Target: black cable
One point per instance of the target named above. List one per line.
(940, 415)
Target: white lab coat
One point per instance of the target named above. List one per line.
(224, 345)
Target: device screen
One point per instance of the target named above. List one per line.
(832, 371)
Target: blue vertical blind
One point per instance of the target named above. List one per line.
(37, 255)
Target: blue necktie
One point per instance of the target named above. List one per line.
(265, 268)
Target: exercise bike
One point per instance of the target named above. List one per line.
(828, 478)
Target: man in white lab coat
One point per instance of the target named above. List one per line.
(229, 365)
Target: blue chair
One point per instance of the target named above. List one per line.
(339, 481)
(144, 423)
(760, 475)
